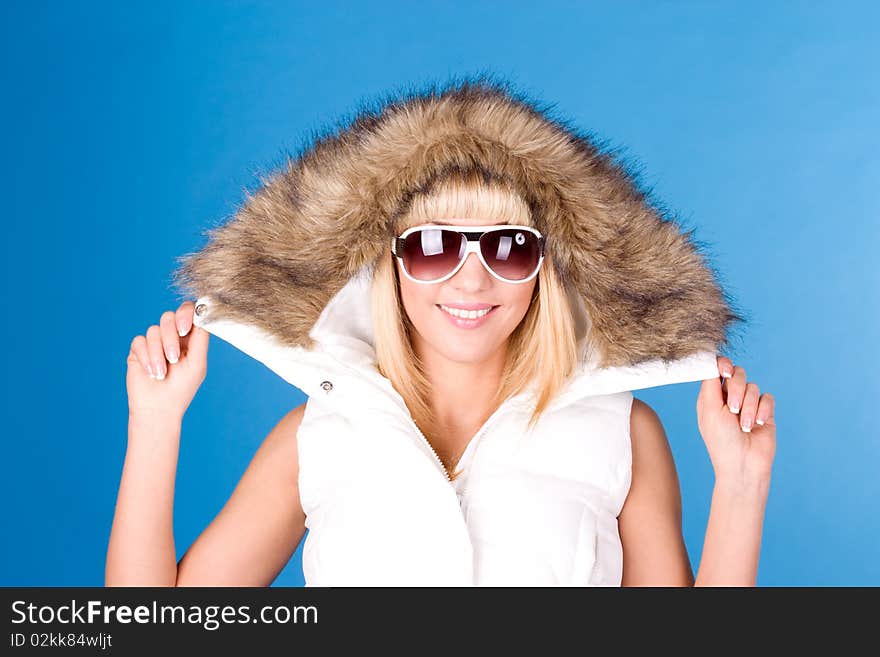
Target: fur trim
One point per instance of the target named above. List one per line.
(332, 210)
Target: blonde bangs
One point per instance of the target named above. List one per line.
(454, 198)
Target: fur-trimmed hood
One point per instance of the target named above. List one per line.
(288, 274)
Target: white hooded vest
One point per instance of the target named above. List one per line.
(287, 281)
(535, 508)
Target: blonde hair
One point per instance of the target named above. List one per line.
(542, 349)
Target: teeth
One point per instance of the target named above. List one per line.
(464, 314)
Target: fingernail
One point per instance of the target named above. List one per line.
(159, 370)
(734, 409)
(747, 429)
(180, 330)
(173, 358)
(727, 374)
(759, 421)
(150, 371)
(747, 426)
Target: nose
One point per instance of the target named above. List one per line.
(472, 276)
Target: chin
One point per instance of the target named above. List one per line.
(464, 356)
(463, 348)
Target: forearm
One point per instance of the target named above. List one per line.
(733, 536)
(141, 548)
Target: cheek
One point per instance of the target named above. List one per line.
(417, 300)
(519, 300)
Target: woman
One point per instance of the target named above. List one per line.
(467, 292)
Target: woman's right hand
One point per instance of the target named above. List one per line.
(167, 365)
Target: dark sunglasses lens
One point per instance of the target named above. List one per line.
(512, 254)
(432, 253)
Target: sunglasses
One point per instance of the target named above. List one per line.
(434, 253)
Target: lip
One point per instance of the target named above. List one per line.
(468, 323)
(467, 306)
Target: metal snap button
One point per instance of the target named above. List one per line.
(327, 386)
(200, 309)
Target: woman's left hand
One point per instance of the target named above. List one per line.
(737, 425)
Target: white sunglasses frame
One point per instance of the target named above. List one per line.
(472, 246)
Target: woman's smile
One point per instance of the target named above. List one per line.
(467, 318)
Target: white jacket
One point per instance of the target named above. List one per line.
(529, 509)
(285, 281)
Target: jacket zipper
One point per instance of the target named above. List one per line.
(419, 431)
(433, 451)
(474, 440)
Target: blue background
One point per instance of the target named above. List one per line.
(128, 129)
